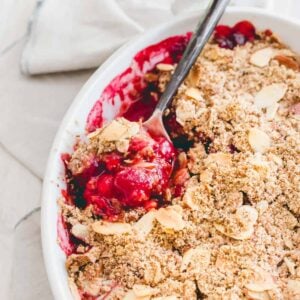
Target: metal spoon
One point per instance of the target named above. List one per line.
(201, 35)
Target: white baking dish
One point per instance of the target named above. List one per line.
(75, 120)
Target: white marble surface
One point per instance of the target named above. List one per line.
(30, 111)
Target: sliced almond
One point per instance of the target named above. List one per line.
(189, 199)
(130, 295)
(287, 61)
(113, 131)
(133, 128)
(194, 93)
(290, 265)
(80, 231)
(247, 214)
(206, 176)
(271, 111)
(258, 295)
(92, 287)
(122, 145)
(237, 235)
(74, 289)
(95, 133)
(223, 159)
(293, 287)
(262, 281)
(196, 258)
(244, 220)
(111, 228)
(145, 224)
(262, 206)
(170, 218)
(165, 298)
(164, 67)
(262, 57)
(269, 95)
(258, 140)
(141, 290)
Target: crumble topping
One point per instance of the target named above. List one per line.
(234, 233)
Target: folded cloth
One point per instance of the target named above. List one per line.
(79, 34)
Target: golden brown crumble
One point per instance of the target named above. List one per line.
(235, 233)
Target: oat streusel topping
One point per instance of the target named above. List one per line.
(235, 232)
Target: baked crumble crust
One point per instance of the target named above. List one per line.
(235, 232)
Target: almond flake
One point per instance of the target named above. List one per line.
(271, 111)
(165, 298)
(269, 95)
(263, 281)
(113, 131)
(188, 198)
(145, 224)
(290, 265)
(206, 176)
(246, 216)
(258, 140)
(130, 295)
(247, 213)
(194, 93)
(262, 206)
(262, 57)
(293, 286)
(110, 228)
(122, 145)
(170, 218)
(196, 258)
(287, 61)
(141, 290)
(258, 295)
(242, 235)
(80, 231)
(164, 67)
(74, 290)
(220, 158)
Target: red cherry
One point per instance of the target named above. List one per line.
(135, 184)
(268, 32)
(112, 161)
(223, 31)
(246, 29)
(105, 185)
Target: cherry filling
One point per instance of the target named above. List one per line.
(229, 37)
(117, 182)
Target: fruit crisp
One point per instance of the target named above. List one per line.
(216, 214)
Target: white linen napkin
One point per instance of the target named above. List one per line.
(79, 34)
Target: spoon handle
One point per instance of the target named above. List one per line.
(198, 40)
